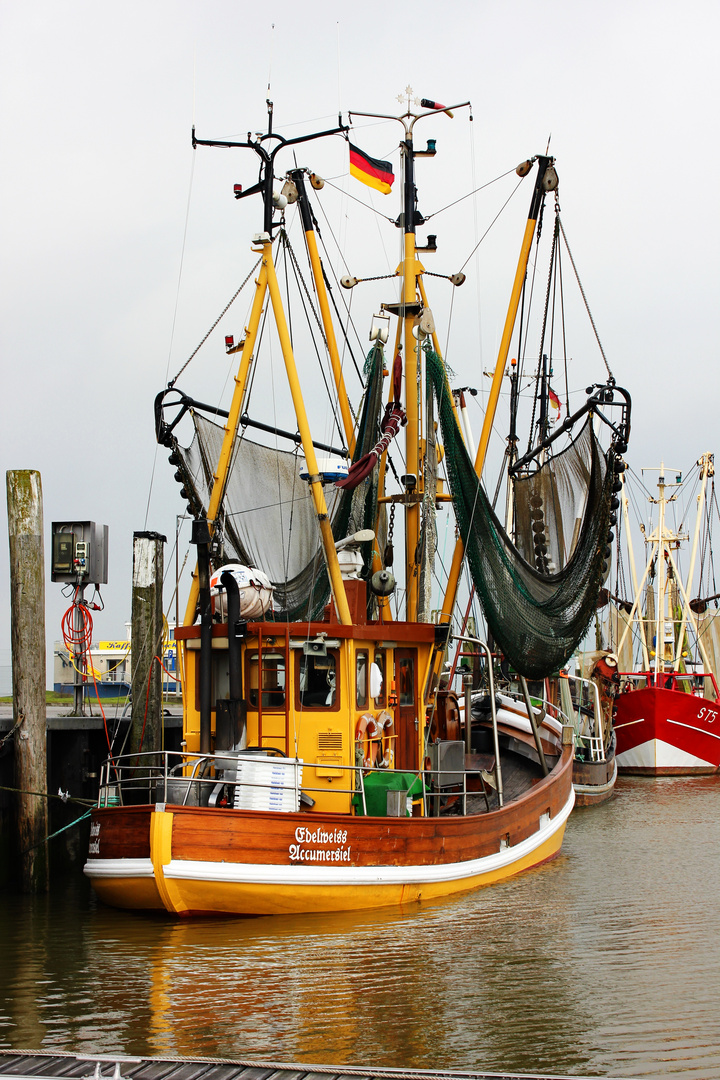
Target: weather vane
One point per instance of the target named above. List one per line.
(406, 98)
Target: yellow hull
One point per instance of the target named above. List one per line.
(140, 894)
(220, 897)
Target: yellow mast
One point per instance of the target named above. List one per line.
(267, 280)
(232, 424)
(546, 180)
(319, 279)
(328, 541)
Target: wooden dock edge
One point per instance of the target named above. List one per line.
(50, 1064)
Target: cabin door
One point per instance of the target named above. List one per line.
(406, 710)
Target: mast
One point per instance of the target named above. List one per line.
(408, 309)
(298, 178)
(636, 587)
(413, 381)
(511, 451)
(661, 543)
(660, 606)
(267, 282)
(543, 422)
(706, 464)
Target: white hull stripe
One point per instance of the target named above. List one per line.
(294, 875)
(126, 868)
(700, 731)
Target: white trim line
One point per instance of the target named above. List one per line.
(125, 868)
(691, 727)
(294, 875)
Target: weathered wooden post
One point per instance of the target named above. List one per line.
(147, 640)
(27, 616)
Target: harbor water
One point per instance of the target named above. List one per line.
(605, 962)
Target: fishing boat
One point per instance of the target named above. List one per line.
(587, 703)
(667, 713)
(325, 765)
(590, 703)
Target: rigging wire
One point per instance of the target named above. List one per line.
(331, 294)
(347, 306)
(182, 263)
(470, 194)
(348, 195)
(310, 305)
(492, 223)
(175, 311)
(587, 306)
(564, 334)
(544, 328)
(227, 307)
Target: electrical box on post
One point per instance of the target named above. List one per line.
(79, 552)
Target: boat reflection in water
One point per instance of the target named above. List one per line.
(619, 936)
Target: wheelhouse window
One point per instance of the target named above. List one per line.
(406, 682)
(273, 680)
(379, 664)
(317, 681)
(361, 680)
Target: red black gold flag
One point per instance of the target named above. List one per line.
(371, 171)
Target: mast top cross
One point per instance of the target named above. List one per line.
(407, 98)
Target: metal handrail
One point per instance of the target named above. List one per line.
(597, 715)
(491, 690)
(145, 770)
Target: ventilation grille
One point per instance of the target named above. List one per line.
(330, 740)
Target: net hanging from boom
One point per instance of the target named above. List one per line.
(550, 504)
(537, 618)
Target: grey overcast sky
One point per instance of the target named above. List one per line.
(97, 103)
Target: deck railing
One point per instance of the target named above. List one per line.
(228, 779)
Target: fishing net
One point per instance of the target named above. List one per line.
(269, 519)
(550, 505)
(537, 618)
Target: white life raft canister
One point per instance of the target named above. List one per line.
(253, 586)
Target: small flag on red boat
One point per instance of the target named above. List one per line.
(371, 171)
(554, 400)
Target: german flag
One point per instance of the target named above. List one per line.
(371, 171)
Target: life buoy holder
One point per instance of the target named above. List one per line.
(386, 722)
(369, 733)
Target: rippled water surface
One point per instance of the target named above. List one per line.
(605, 962)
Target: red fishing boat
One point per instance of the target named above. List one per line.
(667, 714)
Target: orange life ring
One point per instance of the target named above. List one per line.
(386, 722)
(369, 733)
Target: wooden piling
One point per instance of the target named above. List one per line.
(27, 614)
(147, 639)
